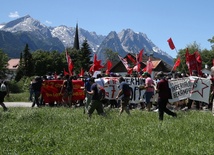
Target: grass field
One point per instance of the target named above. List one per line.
(68, 131)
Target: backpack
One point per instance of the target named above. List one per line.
(3, 87)
(101, 92)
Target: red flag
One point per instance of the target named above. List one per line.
(96, 65)
(65, 73)
(140, 56)
(139, 60)
(193, 62)
(70, 63)
(109, 65)
(171, 44)
(81, 73)
(149, 66)
(131, 59)
(125, 63)
(177, 63)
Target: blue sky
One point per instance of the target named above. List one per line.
(185, 21)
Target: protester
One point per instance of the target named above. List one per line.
(67, 90)
(149, 89)
(87, 87)
(36, 86)
(95, 101)
(31, 91)
(124, 94)
(164, 94)
(4, 91)
(190, 101)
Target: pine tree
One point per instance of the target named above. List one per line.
(27, 62)
(85, 56)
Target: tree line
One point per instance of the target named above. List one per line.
(42, 62)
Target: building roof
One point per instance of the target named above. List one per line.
(13, 64)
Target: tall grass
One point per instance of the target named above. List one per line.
(69, 131)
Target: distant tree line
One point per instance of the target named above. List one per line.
(42, 62)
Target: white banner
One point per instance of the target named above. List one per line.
(180, 89)
(111, 87)
(200, 89)
(191, 87)
(195, 88)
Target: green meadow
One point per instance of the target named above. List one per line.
(60, 131)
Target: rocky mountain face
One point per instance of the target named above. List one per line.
(15, 34)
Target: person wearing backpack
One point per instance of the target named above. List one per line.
(95, 103)
(124, 94)
(67, 90)
(4, 90)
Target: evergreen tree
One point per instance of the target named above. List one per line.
(27, 62)
(85, 56)
(3, 64)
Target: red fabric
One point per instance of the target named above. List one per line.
(193, 62)
(149, 66)
(96, 65)
(177, 63)
(70, 63)
(139, 60)
(81, 72)
(65, 73)
(51, 90)
(171, 44)
(109, 65)
(131, 59)
(125, 63)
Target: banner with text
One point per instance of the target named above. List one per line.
(51, 90)
(195, 88)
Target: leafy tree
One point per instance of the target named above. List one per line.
(48, 62)
(3, 64)
(20, 70)
(110, 55)
(212, 42)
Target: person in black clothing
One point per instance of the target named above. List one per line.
(95, 101)
(3, 92)
(124, 94)
(164, 94)
(36, 86)
(67, 90)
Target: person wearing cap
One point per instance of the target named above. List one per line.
(164, 93)
(95, 101)
(149, 89)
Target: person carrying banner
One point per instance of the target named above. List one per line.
(164, 94)
(67, 90)
(190, 101)
(124, 93)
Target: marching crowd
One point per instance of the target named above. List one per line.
(93, 87)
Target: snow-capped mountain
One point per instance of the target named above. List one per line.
(128, 41)
(15, 34)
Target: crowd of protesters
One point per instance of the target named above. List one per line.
(157, 86)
